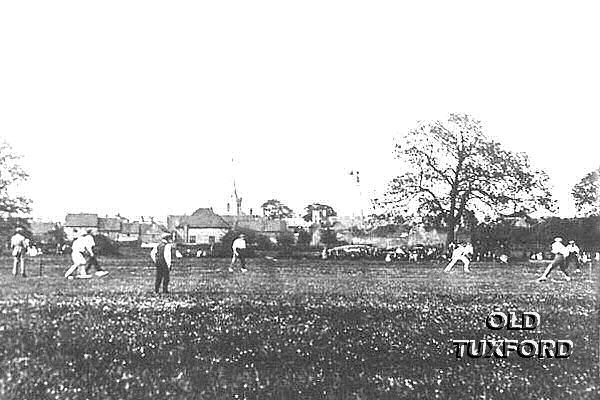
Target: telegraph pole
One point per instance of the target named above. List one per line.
(356, 177)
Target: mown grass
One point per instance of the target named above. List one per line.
(288, 329)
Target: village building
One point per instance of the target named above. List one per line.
(297, 224)
(76, 224)
(204, 226)
(270, 228)
(109, 227)
(130, 232)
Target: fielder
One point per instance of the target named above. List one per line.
(461, 253)
(238, 247)
(574, 255)
(82, 250)
(560, 252)
(162, 257)
(92, 261)
(19, 244)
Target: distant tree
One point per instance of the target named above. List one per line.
(11, 175)
(12, 206)
(324, 210)
(275, 209)
(57, 236)
(304, 238)
(285, 240)
(105, 246)
(328, 237)
(253, 239)
(587, 194)
(451, 171)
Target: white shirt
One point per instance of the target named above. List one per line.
(559, 248)
(84, 244)
(18, 240)
(460, 251)
(573, 248)
(167, 253)
(468, 249)
(238, 244)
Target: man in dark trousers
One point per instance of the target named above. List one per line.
(161, 255)
(574, 254)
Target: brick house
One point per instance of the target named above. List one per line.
(109, 227)
(270, 228)
(130, 232)
(204, 226)
(76, 224)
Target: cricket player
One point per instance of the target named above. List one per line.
(19, 244)
(162, 257)
(92, 261)
(81, 251)
(461, 253)
(574, 254)
(239, 248)
(560, 254)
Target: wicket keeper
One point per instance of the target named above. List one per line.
(239, 248)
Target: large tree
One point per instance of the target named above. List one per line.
(451, 172)
(587, 194)
(325, 211)
(275, 209)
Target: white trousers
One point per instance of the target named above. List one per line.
(464, 259)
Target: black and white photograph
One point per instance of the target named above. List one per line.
(299, 200)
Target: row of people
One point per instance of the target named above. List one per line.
(84, 257)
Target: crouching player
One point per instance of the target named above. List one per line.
(574, 256)
(239, 249)
(462, 253)
(161, 256)
(81, 250)
(560, 252)
(92, 262)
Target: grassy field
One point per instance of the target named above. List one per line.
(288, 329)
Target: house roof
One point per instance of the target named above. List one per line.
(258, 224)
(109, 224)
(81, 220)
(130, 227)
(41, 228)
(152, 229)
(201, 218)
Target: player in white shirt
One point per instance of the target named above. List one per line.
(560, 252)
(82, 248)
(239, 248)
(19, 245)
(461, 253)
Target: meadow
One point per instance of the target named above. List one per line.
(289, 329)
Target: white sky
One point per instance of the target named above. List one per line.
(138, 106)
